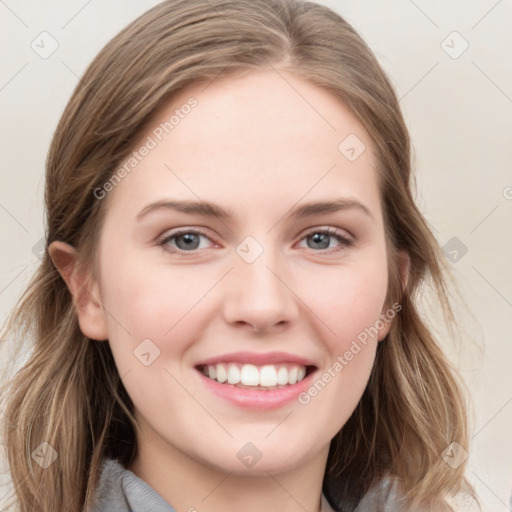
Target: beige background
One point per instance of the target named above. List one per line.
(458, 104)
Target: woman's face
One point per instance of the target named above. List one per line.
(247, 242)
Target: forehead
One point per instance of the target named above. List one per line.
(258, 135)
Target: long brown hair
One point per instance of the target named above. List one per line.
(69, 393)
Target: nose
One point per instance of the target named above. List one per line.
(258, 296)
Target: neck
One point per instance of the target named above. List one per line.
(193, 485)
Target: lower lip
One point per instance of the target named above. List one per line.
(257, 399)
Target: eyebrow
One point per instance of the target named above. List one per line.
(191, 207)
(208, 209)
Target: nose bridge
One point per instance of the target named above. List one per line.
(257, 292)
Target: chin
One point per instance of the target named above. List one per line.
(261, 458)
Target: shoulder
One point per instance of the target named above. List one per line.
(120, 490)
(388, 496)
(109, 493)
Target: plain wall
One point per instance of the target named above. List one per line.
(458, 105)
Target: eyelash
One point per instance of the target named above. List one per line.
(344, 241)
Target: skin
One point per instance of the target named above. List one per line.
(256, 147)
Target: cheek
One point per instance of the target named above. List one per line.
(347, 300)
(346, 307)
(149, 323)
(149, 299)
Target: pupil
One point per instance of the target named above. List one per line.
(189, 241)
(321, 238)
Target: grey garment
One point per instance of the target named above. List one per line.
(120, 490)
(387, 497)
(383, 497)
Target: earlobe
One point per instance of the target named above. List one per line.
(85, 293)
(385, 325)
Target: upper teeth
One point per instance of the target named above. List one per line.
(250, 375)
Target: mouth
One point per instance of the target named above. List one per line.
(256, 381)
(266, 377)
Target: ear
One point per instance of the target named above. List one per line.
(387, 315)
(85, 293)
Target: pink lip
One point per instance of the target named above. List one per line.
(257, 399)
(257, 359)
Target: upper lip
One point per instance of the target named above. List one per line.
(257, 359)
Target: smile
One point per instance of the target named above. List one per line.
(269, 376)
(257, 381)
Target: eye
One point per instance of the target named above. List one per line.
(321, 239)
(189, 240)
(186, 240)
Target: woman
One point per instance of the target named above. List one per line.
(225, 316)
